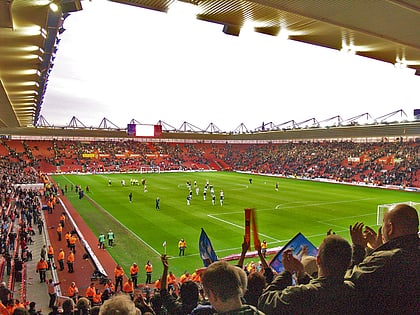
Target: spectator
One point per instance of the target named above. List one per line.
(118, 305)
(225, 285)
(32, 309)
(4, 293)
(388, 278)
(20, 311)
(142, 305)
(68, 307)
(257, 281)
(328, 294)
(51, 292)
(188, 294)
(83, 306)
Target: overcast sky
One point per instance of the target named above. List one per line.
(120, 62)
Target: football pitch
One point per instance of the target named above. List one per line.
(298, 206)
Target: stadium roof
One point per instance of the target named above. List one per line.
(30, 29)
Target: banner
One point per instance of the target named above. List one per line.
(207, 252)
(257, 242)
(296, 244)
(248, 213)
(251, 222)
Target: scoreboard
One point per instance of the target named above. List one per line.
(143, 130)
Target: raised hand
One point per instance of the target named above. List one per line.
(373, 239)
(357, 235)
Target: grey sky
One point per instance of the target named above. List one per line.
(121, 62)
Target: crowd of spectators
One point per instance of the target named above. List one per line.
(380, 275)
(379, 163)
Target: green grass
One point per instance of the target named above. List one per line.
(299, 206)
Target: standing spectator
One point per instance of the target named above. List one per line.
(328, 294)
(111, 238)
(43, 252)
(40, 226)
(4, 293)
(51, 292)
(149, 270)
(50, 255)
(388, 278)
(12, 239)
(182, 244)
(8, 259)
(225, 285)
(134, 272)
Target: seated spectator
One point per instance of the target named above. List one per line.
(119, 304)
(256, 281)
(20, 311)
(188, 294)
(328, 294)
(32, 309)
(225, 285)
(68, 307)
(83, 306)
(388, 278)
(142, 305)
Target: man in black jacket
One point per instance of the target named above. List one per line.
(388, 278)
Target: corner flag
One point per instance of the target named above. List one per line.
(207, 253)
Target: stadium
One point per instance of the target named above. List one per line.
(153, 184)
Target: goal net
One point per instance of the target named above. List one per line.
(383, 208)
(149, 169)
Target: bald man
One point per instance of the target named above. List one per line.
(386, 265)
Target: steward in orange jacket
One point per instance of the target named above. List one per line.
(41, 268)
(118, 273)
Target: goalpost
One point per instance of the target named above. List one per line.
(149, 169)
(383, 208)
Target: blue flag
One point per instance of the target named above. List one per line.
(296, 244)
(207, 253)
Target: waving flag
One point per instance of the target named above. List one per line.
(296, 244)
(207, 253)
